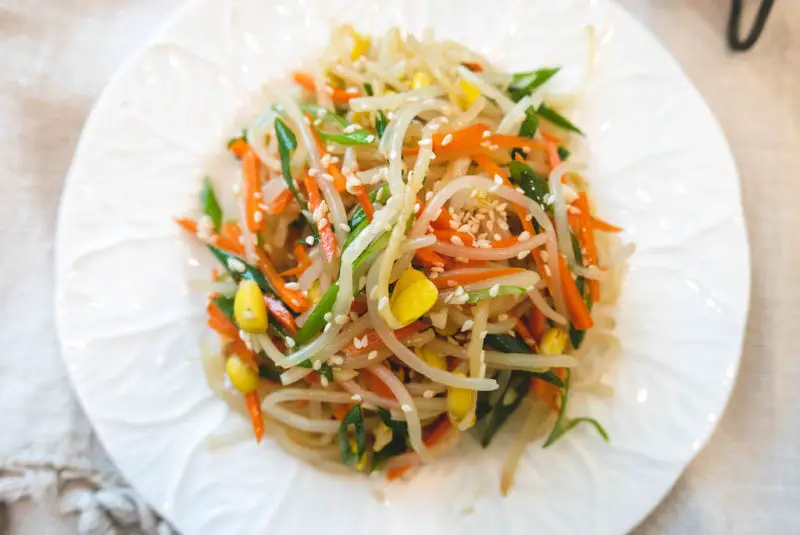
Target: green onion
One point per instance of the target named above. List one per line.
(532, 183)
(557, 119)
(250, 272)
(287, 144)
(381, 122)
(479, 295)
(316, 320)
(398, 444)
(359, 220)
(525, 83)
(358, 137)
(511, 344)
(576, 336)
(564, 424)
(508, 402)
(269, 371)
(325, 369)
(563, 153)
(209, 203)
(354, 418)
(530, 124)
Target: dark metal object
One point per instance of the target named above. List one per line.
(734, 39)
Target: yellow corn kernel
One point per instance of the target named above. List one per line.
(414, 301)
(314, 293)
(421, 79)
(459, 404)
(409, 277)
(432, 357)
(554, 340)
(361, 45)
(243, 377)
(470, 93)
(383, 435)
(249, 309)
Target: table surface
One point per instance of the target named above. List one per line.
(746, 480)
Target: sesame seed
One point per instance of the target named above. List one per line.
(467, 326)
(344, 226)
(524, 235)
(323, 381)
(356, 397)
(447, 139)
(310, 240)
(317, 364)
(486, 133)
(292, 285)
(351, 91)
(522, 254)
(406, 407)
(544, 256)
(416, 208)
(494, 290)
(428, 394)
(357, 342)
(383, 303)
(290, 341)
(425, 142)
(313, 172)
(234, 264)
(322, 223)
(337, 360)
(351, 128)
(341, 319)
(328, 316)
(372, 355)
(547, 270)
(498, 180)
(248, 314)
(455, 240)
(429, 196)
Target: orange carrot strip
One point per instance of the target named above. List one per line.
(220, 323)
(550, 393)
(238, 347)
(398, 472)
(340, 410)
(526, 335)
(281, 313)
(604, 226)
(339, 181)
(256, 417)
(460, 279)
(428, 258)
(446, 235)
(537, 324)
(509, 142)
(508, 241)
(374, 341)
(442, 220)
(376, 386)
(586, 234)
(301, 254)
(251, 189)
(467, 138)
(280, 202)
(471, 65)
(326, 236)
(239, 147)
(576, 306)
(294, 298)
(437, 431)
(338, 95)
(366, 202)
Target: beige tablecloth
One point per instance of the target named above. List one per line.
(56, 56)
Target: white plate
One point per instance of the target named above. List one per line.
(129, 326)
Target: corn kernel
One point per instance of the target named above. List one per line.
(421, 79)
(432, 357)
(361, 45)
(413, 300)
(242, 377)
(383, 435)
(314, 292)
(470, 93)
(554, 340)
(409, 277)
(249, 309)
(459, 404)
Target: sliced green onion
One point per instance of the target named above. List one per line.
(209, 203)
(525, 83)
(354, 418)
(564, 424)
(557, 119)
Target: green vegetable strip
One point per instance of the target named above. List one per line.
(564, 424)
(479, 295)
(325, 369)
(398, 444)
(525, 83)
(532, 183)
(502, 411)
(316, 320)
(209, 203)
(381, 122)
(511, 344)
(228, 260)
(557, 119)
(354, 418)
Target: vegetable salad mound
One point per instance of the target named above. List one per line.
(408, 255)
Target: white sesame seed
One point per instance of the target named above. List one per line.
(317, 364)
(544, 256)
(351, 128)
(547, 270)
(248, 314)
(344, 226)
(351, 91)
(416, 207)
(323, 381)
(290, 341)
(428, 196)
(328, 316)
(522, 254)
(372, 355)
(292, 285)
(486, 133)
(428, 394)
(425, 142)
(524, 235)
(467, 326)
(383, 302)
(498, 180)
(406, 407)
(455, 240)
(313, 172)
(234, 264)
(494, 290)
(337, 360)
(447, 139)
(355, 397)
(341, 319)
(322, 223)
(310, 240)
(357, 342)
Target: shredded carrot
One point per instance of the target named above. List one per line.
(526, 335)
(509, 142)
(376, 386)
(339, 181)
(550, 393)
(576, 306)
(366, 202)
(281, 313)
(280, 202)
(303, 262)
(502, 243)
(537, 324)
(340, 410)
(220, 323)
(256, 417)
(461, 279)
(447, 235)
(239, 147)
(374, 341)
(426, 257)
(238, 347)
(604, 226)
(251, 189)
(396, 473)
(214, 274)
(326, 236)
(294, 298)
(442, 220)
(586, 235)
(471, 65)
(467, 138)
(437, 431)
(338, 95)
